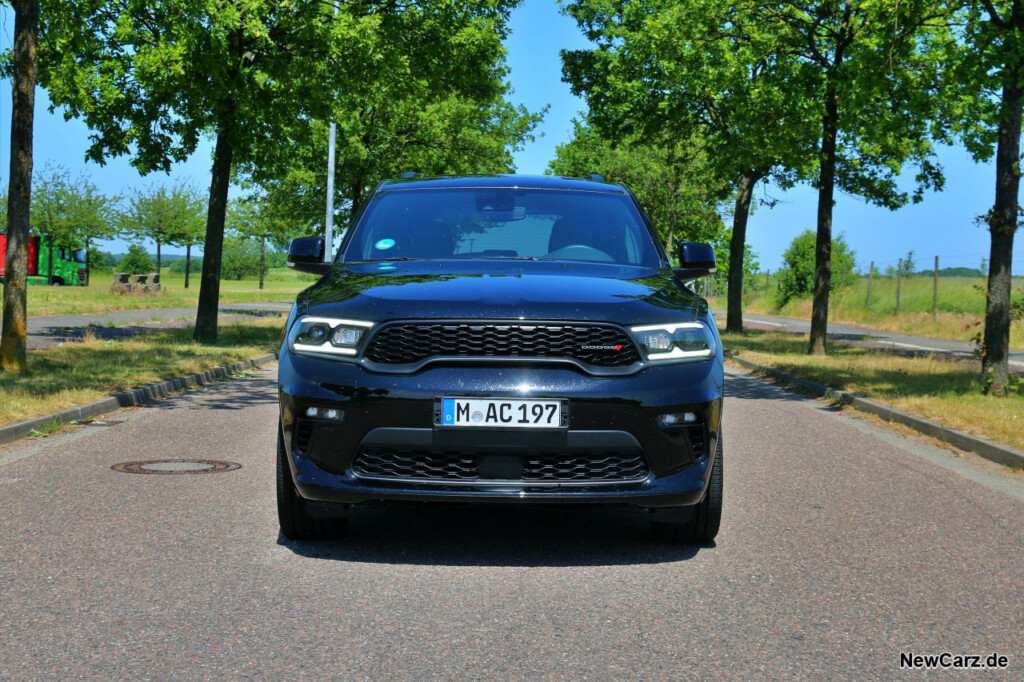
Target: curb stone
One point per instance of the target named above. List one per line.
(131, 398)
(990, 450)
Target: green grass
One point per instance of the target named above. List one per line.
(280, 285)
(938, 388)
(78, 373)
(961, 306)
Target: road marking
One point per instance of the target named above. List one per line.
(773, 324)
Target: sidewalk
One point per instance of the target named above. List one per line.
(52, 330)
(871, 338)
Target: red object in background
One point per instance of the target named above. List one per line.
(33, 255)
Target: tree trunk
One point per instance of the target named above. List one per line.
(188, 262)
(823, 245)
(23, 93)
(87, 273)
(737, 247)
(263, 261)
(1002, 224)
(209, 285)
(157, 256)
(49, 262)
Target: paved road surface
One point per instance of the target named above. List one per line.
(842, 546)
(49, 330)
(872, 337)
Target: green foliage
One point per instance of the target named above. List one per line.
(151, 77)
(136, 261)
(241, 258)
(102, 259)
(796, 278)
(68, 210)
(178, 266)
(673, 180)
(166, 215)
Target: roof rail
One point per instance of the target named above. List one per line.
(408, 175)
(595, 176)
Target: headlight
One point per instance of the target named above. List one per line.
(327, 335)
(676, 342)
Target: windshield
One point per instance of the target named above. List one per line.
(502, 223)
(79, 255)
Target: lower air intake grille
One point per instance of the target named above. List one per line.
(534, 468)
(303, 434)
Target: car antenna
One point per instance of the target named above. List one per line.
(595, 176)
(408, 175)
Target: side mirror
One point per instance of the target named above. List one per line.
(306, 254)
(695, 260)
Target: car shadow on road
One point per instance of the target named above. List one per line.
(497, 535)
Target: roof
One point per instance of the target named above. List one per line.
(524, 181)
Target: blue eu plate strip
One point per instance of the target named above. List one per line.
(448, 411)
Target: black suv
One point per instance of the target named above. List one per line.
(507, 339)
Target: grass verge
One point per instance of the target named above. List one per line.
(78, 373)
(934, 387)
(279, 285)
(959, 316)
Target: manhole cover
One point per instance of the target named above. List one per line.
(176, 466)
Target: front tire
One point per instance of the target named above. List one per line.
(293, 517)
(707, 515)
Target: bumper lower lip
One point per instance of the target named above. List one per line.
(683, 488)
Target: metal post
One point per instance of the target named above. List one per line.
(935, 289)
(329, 218)
(871, 277)
(899, 282)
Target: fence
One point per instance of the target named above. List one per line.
(950, 283)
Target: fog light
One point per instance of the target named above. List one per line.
(677, 418)
(325, 413)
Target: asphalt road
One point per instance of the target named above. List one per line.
(843, 545)
(870, 337)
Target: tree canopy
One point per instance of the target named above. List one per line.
(150, 78)
(672, 180)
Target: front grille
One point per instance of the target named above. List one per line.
(591, 344)
(446, 466)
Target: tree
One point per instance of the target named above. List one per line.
(242, 258)
(986, 85)
(151, 77)
(66, 210)
(456, 131)
(670, 69)
(254, 218)
(13, 343)
(136, 261)
(672, 180)
(797, 276)
(165, 215)
(870, 72)
(189, 229)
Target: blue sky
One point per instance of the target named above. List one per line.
(943, 224)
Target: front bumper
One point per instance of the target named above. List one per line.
(398, 410)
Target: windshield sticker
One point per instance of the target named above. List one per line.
(384, 244)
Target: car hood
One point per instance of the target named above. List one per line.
(501, 289)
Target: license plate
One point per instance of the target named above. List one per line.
(497, 413)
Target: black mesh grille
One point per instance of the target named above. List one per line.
(454, 466)
(598, 345)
